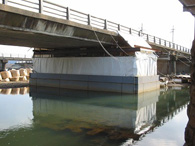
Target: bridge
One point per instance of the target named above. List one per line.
(57, 31)
(17, 57)
(69, 17)
(68, 31)
(5, 57)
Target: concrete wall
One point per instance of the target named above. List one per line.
(96, 83)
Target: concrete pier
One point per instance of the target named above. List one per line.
(2, 64)
(172, 66)
(96, 83)
(132, 74)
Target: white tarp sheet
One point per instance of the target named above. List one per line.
(134, 41)
(142, 64)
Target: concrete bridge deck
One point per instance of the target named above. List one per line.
(24, 28)
(49, 25)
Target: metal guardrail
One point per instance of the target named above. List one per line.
(21, 62)
(17, 56)
(56, 10)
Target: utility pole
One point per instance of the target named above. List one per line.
(174, 57)
(141, 30)
(173, 31)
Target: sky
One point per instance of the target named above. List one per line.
(170, 134)
(157, 16)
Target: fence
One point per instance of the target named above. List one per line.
(55, 10)
(16, 56)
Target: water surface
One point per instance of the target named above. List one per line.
(49, 116)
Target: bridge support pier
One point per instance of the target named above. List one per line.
(117, 84)
(3, 64)
(132, 74)
(173, 64)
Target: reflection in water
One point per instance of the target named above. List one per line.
(6, 91)
(66, 117)
(122, 111)
(14, 91)
(15, 108)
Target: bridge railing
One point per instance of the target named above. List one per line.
(56, 10)
(11, 55)
(20, 62)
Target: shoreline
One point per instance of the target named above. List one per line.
(18, 84)
(13, 84)
(178, 84)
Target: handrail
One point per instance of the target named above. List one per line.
(23, 5)
(44, 7)
(10, 55)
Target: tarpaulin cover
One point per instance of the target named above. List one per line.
(142, 64)
(134, 41)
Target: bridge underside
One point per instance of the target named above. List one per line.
(58, 36)
(23, 28)
(170, 61)
(37, 40)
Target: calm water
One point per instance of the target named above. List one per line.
(54, 117)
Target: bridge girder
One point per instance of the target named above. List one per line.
(24, 28)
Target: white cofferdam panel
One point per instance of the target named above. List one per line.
(141, 64)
